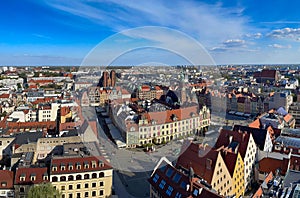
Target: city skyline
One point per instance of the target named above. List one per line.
(232, 32)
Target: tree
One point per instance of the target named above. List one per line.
(45, 190)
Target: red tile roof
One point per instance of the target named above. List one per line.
(287, 117)
(255, 124)
(6, 179)
(267, 165)
(259, 192)
(230, 160)
(241, 138)
(201, 159)
(39, 174)
(166, 116)
(59, 162)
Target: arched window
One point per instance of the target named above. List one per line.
(63, 178)
(70, 178)
(78, 177)
(54, 179)
(86, 176)
(101, 174)
(94, 175)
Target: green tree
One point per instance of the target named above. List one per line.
(45, 190)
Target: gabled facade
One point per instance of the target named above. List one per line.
(209, 165)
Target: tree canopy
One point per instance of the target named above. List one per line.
(45, 190)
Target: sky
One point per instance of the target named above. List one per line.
(68, 32)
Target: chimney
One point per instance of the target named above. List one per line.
(243, 137)
(230, 138)
(208, 164)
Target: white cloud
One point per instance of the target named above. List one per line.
(290, 33)
(208, 23)
(255, 35)
(234, 43)
(278, 46)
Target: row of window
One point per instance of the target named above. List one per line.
(86, 185)
(84, 194)
(78, 177)
(78, 166)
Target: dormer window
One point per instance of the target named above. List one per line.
(86, 164)
(78, 166)
(101, 164)
(62, 167)
(54, 168)
(45, 176)
(70, 166)
(94, 164)
(32, 177)
(22, 177)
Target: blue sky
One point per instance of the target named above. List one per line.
(63, 32)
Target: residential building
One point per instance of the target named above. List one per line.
(281, 99)
(6, 183)
(245, 145)
(236, 168)
(169, 181)
(159, 126)
(294, 110)
(209, 165)
(77, 173)
(262, 137)
(147, 92)
(25, 177)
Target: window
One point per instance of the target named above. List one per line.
(86, 165)
(86, 194)
(86, 185)
(101, 192)
(70, 187)
(169, 172)
(63, 178)
(63, 188)
(78, 195)
(162, 184)
(54, 168)
(70, 195)
(101, 183)
(70, 178)
(196, 192)
(169, 190)
(22, 189)
(101, 174)
(94, 194)
(22, 177)
(176, 177)
(178, 195)
(155, 178)
(94, 175)
(86, 176)
(93, 185)
(78, 177)
(78, 186)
